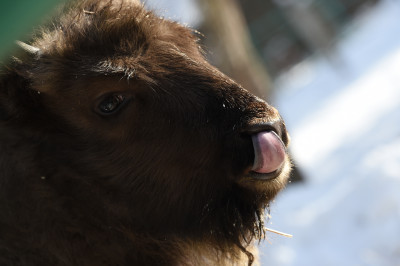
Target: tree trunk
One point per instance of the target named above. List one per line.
(234, 53)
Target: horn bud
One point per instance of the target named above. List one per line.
(28, 48)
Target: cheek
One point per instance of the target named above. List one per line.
(176, 150)
(73, 110)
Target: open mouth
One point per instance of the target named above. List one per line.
(269, 155)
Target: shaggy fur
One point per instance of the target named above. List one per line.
(163, 180)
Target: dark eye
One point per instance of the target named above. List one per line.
(111, 104)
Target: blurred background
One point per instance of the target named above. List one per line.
(332, 68)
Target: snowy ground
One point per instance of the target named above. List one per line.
(344, 119)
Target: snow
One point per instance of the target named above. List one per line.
(343, 113)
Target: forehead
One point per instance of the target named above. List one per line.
(106, 38)
(114, 37)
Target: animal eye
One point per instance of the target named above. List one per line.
(111, 104)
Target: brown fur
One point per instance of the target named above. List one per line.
(163, 181)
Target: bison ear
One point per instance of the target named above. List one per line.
(16, 75)
(22, 59)
(26, 61)
(20, 64)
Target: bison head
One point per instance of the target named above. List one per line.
(119, 127)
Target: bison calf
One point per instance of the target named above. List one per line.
(121, 145)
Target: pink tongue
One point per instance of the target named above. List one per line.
(269, 152)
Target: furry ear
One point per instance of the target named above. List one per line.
(23, 60)
(15, 78)
(26, 62)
